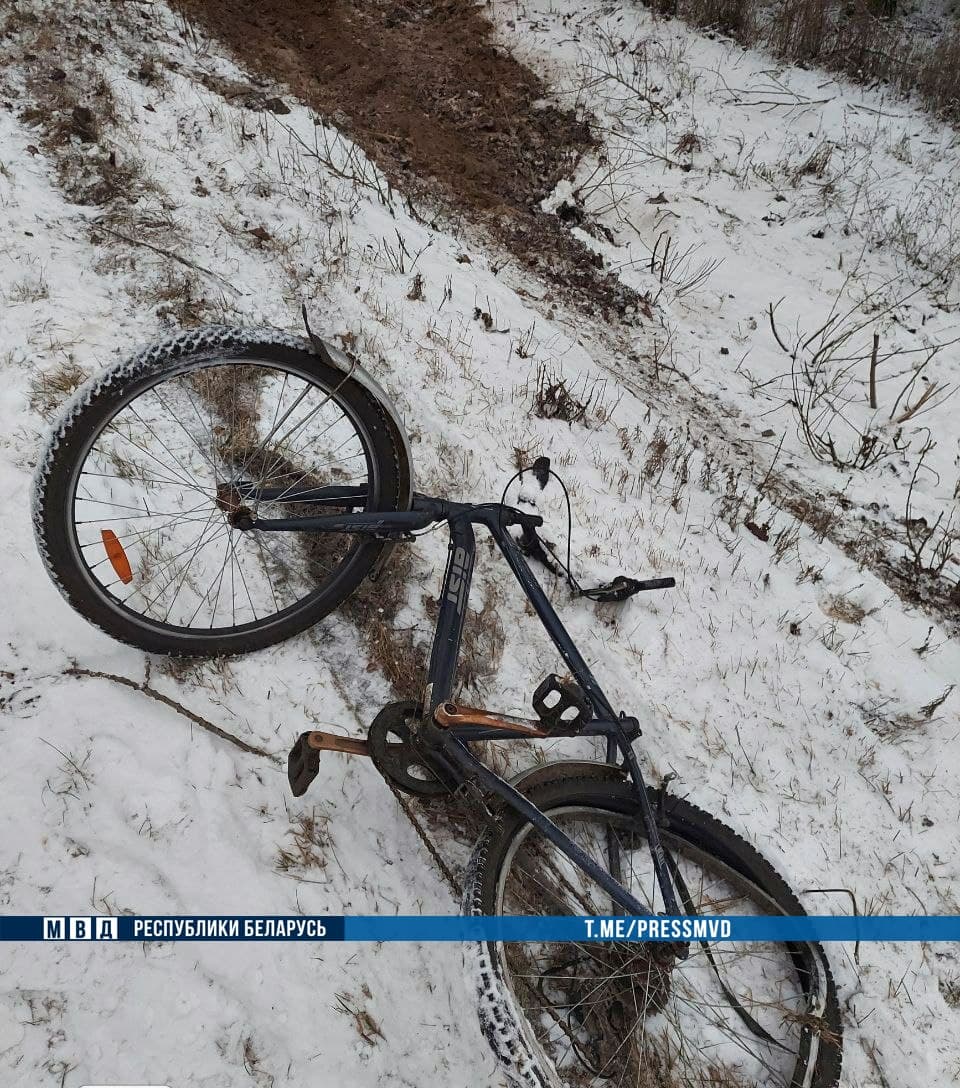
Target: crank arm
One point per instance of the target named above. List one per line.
(452, 714)
(331, 742)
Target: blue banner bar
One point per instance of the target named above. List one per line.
(710, 928)
(235, 927)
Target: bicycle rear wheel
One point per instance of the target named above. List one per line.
(137, 495)
(607, 1013)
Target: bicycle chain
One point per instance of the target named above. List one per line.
(425, 839)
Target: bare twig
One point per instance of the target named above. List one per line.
(915, 409)
(152, 693)
(873, 370)
(168, 253)
(771, 310)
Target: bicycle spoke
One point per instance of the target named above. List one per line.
(176, 419)
(192, 548)
(195, 446)
(154, 435)
(182, 481)
(273, 430)
(620, 1014)
(186, 571)
(133, 538)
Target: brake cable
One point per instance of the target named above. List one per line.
(617, 590)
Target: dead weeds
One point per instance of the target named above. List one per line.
(311, 844)
(373, 610)
(367, 1027)
(51, 388)
(842, 608)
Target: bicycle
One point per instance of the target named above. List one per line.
(224, 490)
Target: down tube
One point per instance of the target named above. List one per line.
(570, 654)
(551, 621)
(452, 616)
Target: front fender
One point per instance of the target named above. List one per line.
(346, 365)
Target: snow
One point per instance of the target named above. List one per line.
(754, 199)
(811, 744)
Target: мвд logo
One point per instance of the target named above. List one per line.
(95, 928)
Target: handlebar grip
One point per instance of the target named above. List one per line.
(655, 583)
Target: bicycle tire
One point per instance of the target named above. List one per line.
(92, 408)
(502, 1019)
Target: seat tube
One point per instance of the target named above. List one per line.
(452, 615)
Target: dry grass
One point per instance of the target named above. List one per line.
(373, 610)
(839, 607)
(949, 986)
(734, 17)
(553, 396)
(863, 40)
(483, 639)
(311, 843)
(178, 298)
(50, 388)
(74, 774)
(32, 289)
(252, 1065)
(367, 1027)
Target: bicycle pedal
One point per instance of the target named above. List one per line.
(303, 762)
(561, 705)
(303, 765)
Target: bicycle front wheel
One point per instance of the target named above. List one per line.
(606, 1013)
(138, 494)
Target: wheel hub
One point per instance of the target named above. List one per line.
(638, 978)
(230, 501)
(626, 986)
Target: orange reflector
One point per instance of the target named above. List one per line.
(116, 555)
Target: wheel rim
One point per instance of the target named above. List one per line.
(157, 488)
(623, 1014)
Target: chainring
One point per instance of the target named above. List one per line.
(399, 756)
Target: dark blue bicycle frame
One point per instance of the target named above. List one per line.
(450, 745)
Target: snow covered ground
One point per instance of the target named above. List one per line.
(782, 188)
(793, 693)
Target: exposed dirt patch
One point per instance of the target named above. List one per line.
(425, 92)
(420, 86)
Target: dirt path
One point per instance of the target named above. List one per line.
(419, 86)
(440, 108)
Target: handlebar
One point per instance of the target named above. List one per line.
(618, 590)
